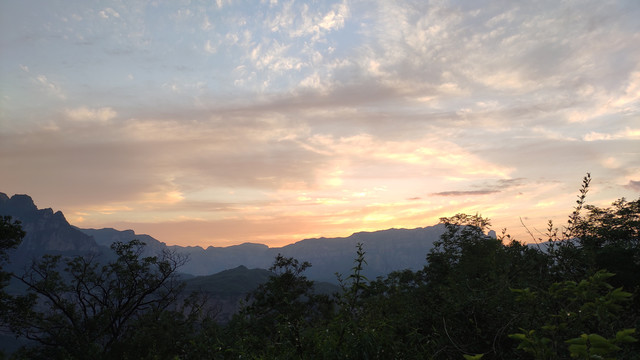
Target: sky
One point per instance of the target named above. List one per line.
(215, 123)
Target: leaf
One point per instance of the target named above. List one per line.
(600, 345)
(582, 340)
(518, 336)
(624, 336)
(620, 295)
(473, 357)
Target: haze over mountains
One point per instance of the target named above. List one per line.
(386, 250)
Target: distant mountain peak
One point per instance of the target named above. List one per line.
(20, 203)
(46, 231)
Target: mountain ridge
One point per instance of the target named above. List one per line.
(386, 250)
(47, 232)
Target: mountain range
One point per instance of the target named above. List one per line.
(48, 232)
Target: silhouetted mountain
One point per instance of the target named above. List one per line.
(46, 232)
(237, 281)
(107, 236)
(227, 288)
(386, 250)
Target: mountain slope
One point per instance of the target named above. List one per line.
(226, 289)
(46, 232)
(386, 250)
(232, 282)
(107, 236)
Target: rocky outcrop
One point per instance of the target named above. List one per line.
(47, 232)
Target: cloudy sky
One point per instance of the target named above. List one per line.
(222, 122)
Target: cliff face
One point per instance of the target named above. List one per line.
(46, 231)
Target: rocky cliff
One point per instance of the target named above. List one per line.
(47, 232)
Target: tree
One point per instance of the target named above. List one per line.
(591, 308)
(468, 279)
(80, 308)
(598, 238)
(610, 239)
(11, 234)
(277, 317)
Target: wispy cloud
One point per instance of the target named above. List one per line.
(465, 193)
(429, 153)
(50, 87)
(87, 114)
(634, 185)
(485, 189)
(108, 12)
(628, 134)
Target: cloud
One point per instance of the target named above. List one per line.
(306, 22)
(335, 18)
(206, 24)
(486, 189)
(428, 153)
(465, 193)
(628, 134)
(208, 47)
(87, 114)
(108, 12)
(162, 197)
(154, 157)
(633, 185)
(494, 51)
(50, 86)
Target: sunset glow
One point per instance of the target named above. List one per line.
(223, 122)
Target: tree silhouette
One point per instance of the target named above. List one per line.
(80, 308)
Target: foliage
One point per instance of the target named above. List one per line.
(571, 310)
(11, 234)
(79, 308)
(594, 346)
(468, 277)
(274, 321)
(350, 301)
